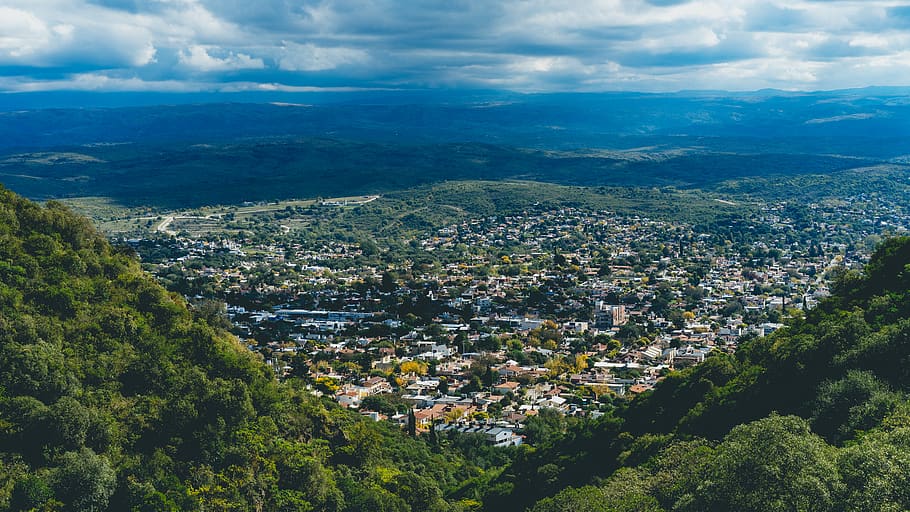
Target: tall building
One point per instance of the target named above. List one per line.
(609, 315)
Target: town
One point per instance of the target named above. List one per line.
(480, 325)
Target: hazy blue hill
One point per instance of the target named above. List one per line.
(182, 175)
(327, 145)
(539, 120)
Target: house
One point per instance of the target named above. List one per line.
(502, 437)
(652, 352)
(576, 326)
(496, 436)
(423, 386)
(373, 415)
(506, 387)
(349, 399)
(436, 352)
(688, 355)
(376, 385)
(637, 389)
(553, 402)
(509, 370)
(442, 412)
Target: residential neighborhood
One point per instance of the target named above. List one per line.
(488, 321)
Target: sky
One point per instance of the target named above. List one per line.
(520, 45)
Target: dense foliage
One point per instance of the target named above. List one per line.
(114, 396)
(814, 417)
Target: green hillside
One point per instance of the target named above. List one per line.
(193, 175)
(115, 396)
(815, 417)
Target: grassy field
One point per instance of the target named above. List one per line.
(116, 219)
(403, 213)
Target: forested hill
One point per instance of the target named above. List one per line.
(813, 418)
(115, 396)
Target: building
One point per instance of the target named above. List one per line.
(496, 436)
(608, 315)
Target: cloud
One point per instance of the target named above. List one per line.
(309, 57)
(526, 45)
(55, 41)
(24, 34)
(98, 82)
(198, 58)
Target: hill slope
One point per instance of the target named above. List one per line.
(114, 396)
(814, 417)
(182, 176)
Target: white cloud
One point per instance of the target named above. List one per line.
(698, 37)
(193, 23)
(50, 39)
(22, 34)
(97, 82)
(309, 57)
(102, 82)
(198, 58)
(870, 41)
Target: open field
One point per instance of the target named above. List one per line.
(399, 214)
(115, 219)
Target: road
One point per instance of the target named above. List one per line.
(162, 227)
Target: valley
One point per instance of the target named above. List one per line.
(557, 323)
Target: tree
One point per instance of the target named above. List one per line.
(414, 367)
(30, 492)
(386, 403)
(420, 492)
(594, 499)
(327, 384)
(68, 422)
(369, 247)
(559, 260)
(434, 330)
(581, 363)
(874, 471)
(630, 331)
(85, 481)
(412, 423)
(300, 366)
(389, 282)
(488, 377)
(443, 385)
(856, 402)
(544, 427)
(773, 464)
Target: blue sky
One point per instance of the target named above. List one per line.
(520, 45)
